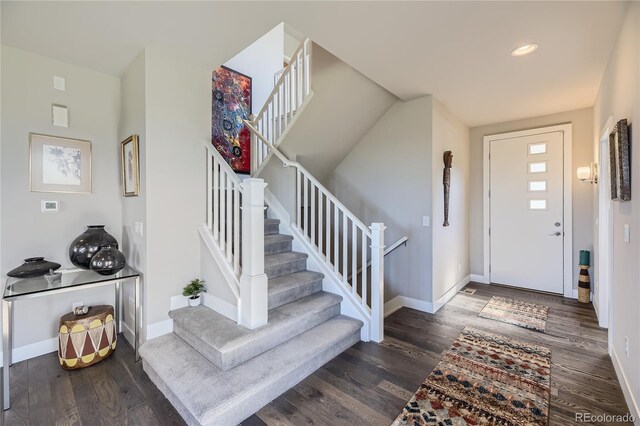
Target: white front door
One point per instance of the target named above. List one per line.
(526, 211)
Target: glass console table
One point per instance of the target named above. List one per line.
(70, 280)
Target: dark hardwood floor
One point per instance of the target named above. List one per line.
(366, 385)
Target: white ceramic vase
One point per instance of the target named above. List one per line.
(194, 302)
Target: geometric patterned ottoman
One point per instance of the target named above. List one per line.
(86, 339)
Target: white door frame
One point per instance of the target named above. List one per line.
(604, 256)
(568, 209)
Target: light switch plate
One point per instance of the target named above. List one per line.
(59, 83)
(627, 233)
(139, 228)
(425, 221)
(60, 115)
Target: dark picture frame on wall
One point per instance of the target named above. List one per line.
(130, 166)
(230, 106)
(620, 161)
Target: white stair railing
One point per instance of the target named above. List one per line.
(341, 240)
(291, 91)
(232, 203)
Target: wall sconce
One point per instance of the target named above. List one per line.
(588, 174)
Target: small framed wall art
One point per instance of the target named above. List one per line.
(59, 164)
(130, 166)
(620, 160)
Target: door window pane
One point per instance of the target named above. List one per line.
(538, 167)
(537, 148)
(538, 204)
(537, 185)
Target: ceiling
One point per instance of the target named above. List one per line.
(457, 51)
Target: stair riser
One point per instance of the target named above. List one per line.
(271, 229)
(258, 398)
(288, 296)
(255, 397)
(277, 247)
(275, 271)
(234, 358)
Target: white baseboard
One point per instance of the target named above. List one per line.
(479, 278)
(403, 301)
(223, 307)
(632, 404)
(33, 350)
(159, 328)
(393, 305)
(452, 292)
(177, 302)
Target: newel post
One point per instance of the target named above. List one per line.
(253, 281)
(377, 282)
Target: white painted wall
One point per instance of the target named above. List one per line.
(346, 104)
(93, 100)
(134, 209)
(178, 121)
(387, 178)
(260, 61)
(619, 96)
(451, 243)
(582, 193)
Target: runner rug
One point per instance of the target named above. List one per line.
(483, 379)
(517, 312)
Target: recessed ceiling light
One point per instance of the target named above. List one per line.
(525, 49)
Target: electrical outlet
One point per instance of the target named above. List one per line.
(76, 304)
(597, 285)
(626, 346)
(627, 233)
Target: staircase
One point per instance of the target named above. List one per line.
(218, 367)
(216, 372)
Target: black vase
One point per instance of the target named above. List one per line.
(87, 244)
(33, 267)
(108, 261)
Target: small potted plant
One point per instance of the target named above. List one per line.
(193, 290)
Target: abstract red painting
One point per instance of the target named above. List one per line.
(230, 105)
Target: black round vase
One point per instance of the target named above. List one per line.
(33, 267)
(108, 261)
(87, 244)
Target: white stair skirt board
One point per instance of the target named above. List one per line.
(402, 301)
(624, 384)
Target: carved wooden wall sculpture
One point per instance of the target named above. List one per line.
(446, 181)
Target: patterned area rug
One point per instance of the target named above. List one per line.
(484, 379)
(516, 312)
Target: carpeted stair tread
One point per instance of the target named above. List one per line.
(279, 264)
(277, 243)
(271, 226)
(204, 394)
(227, 344)
(291, 287)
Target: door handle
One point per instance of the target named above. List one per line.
(555, 234)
